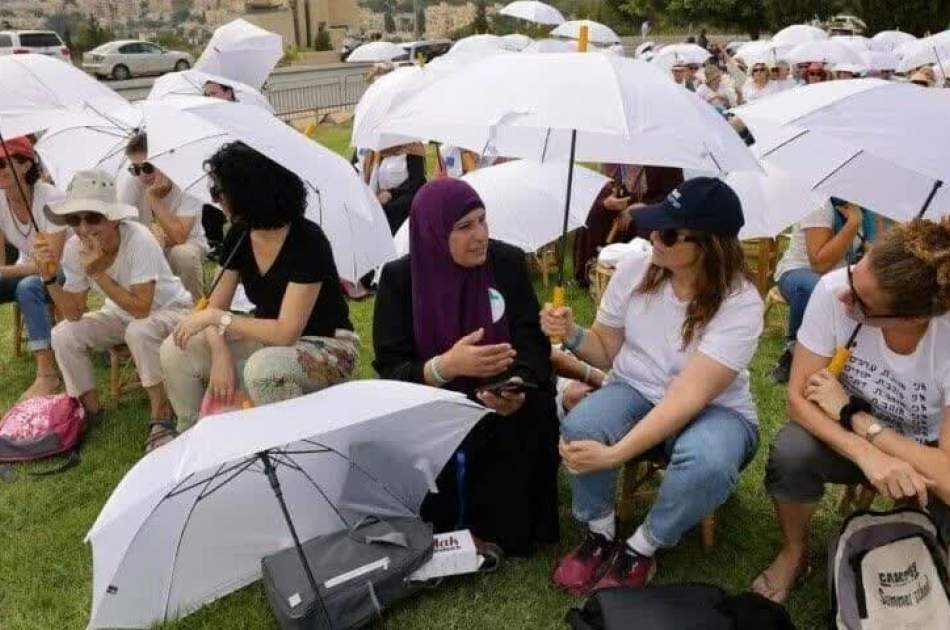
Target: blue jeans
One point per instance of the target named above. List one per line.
(31, 296)
(796, 287)
(705, 459)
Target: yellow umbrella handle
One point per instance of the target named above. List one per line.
(583, 39)
(202, 304)
(842, 355)
(557, 301)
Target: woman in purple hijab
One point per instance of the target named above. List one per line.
(460, 312)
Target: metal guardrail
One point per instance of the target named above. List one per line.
(313, 98)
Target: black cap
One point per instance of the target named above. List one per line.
(704, 204)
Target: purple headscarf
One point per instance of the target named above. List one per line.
(448, 301)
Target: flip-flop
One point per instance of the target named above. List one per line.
(779, 595)
(157, 438)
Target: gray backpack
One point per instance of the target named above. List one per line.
(888, 571)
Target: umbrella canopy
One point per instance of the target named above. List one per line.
(478, 45)
(242, 51)
(880, 144)
(597, 33)
(550, 46)
(623, 110)
(685, 53)
(35, 86)
(924, 52)
(761, 51)
(192, 83)
(798, 34)
(191, 521)
(515, 42)
(533, 11)
(376, 52)
(523, 201)
(876, 61)
(886, 41)
(771, 201)
(180, 141)
(857, 43)
(831, 52)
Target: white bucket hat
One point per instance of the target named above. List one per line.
(91, 191)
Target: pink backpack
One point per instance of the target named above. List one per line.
(42, 427)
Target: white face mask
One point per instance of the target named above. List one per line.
(393, 171)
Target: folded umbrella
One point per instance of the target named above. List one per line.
(192, 520)
(242, 51)
(533, 11)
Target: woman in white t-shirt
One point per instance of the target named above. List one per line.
(678, 329)
(19, 281)
(887, 422)
(144, 300)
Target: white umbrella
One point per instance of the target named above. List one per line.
(857, 43)
(685, 53)
(798, 34)
(35, 86)
(242, 51)
(376, 52)
(524, 200)
(771, 201)
(192, 520)
(354, 222)
(886, 41)
(597, 33)
(515, 42)
(829, 52)
(478, 45)
(923, 52)
(643, 48)
(532, 11)
(751, 52)
(550, 46)
(883, 145)
(192, 83)
(876, 61)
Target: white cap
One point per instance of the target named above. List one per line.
(91, 191)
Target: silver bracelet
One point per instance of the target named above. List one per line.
(434, 368)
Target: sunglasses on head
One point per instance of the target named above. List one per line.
(145, 168)
(89, 218)
(671, 237)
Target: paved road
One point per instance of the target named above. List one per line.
(291, 76)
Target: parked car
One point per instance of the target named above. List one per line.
(125, 59)
(39, 42)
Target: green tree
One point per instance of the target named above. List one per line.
(911, 16)
(480, 23)
(322, 41)
(389, 16)
(90, 35)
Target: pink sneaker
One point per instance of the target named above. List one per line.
(578, 570)
(627, 568)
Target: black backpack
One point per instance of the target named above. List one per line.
(677, 607)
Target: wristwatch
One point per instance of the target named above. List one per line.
(873, 431)
(224, 322)
(856, 404)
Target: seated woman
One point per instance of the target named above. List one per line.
(460, 312)
(827, 239)
(22, 199)
(144, 301)
(679, 328)
(300, 338)
(395, 175)
(887, 422)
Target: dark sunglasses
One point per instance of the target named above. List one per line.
(671, 237)
(145, 168)
(815, 74)
(921, 83)
(863, 307)
(90, 218)
(16, 158)
(754, 70)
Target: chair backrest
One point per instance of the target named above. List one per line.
(761, 254)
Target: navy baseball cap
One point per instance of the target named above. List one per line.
(704, 204)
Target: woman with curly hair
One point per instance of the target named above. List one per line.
(300, 338)
(886, 421)
(678, 328)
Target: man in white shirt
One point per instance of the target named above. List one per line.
(144, 302)
(173, 216)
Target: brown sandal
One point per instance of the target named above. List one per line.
(161, 432)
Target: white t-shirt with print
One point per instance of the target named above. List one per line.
(132, 192)
(796, 256)
(909, 393)
(21, 235)
(139, 260)
(651, 355)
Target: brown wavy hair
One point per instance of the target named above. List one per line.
(912, 265)
(723, 269)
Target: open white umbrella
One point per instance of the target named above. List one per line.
(533, 11)
(376, 52)
(524, 200)
(242, 51)
(760, 50)
(883, 145)
(924, 52)
(192, 83)
(831, 52)
(857, 43)
(550, 46)
(877, 61)
(886, 41)
(36, 86)
(478, 45)
(597, 33)
(798, 34)
(685, 53)
(772, 200)
(354, 222)
(515, 42)
(192, 520)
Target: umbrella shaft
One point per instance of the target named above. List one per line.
(567, 210)
(930, 197)
(19, 185)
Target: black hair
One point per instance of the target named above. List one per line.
(261, 194)
(34, 173)
(137, 143)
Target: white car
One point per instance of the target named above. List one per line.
(129, 58)
(39, 42)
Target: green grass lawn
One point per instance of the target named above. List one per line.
(46, 568)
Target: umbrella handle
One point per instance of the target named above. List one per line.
(583, 38)
(841, 358)
(557, 301)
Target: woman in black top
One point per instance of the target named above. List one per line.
(300, 338)
(459, 312)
